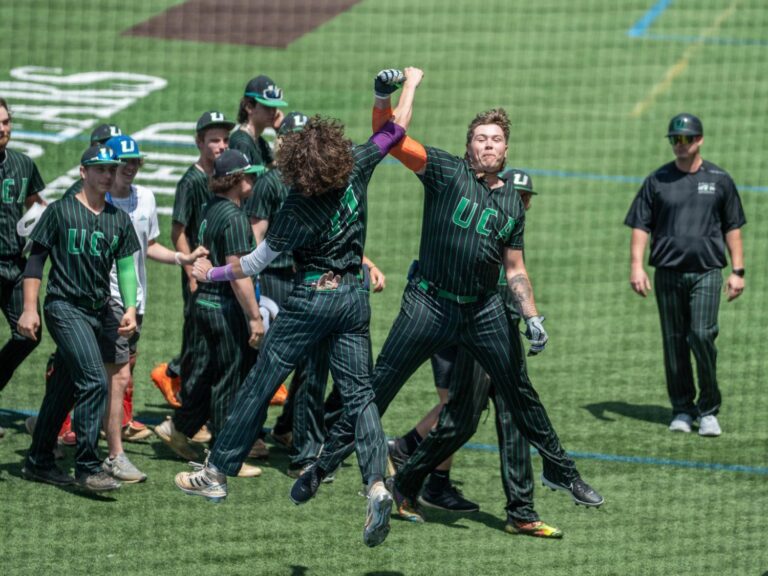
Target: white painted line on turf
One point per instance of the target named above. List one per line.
(682, 64)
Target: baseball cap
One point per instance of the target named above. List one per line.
(521, 181)
(104, 132)
(685, 125)
(263, 90)
(124, 147)
(234, 162)
(98, 154)
(211, 119)
(293, 122)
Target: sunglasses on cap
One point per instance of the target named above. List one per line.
(681, 139)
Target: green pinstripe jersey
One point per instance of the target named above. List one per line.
(76, 186)
(83, 246)
(466, 226)
(327, 232)
(20, 178)
(258, 152)
(269, 193)
(225, 231)
(191, 195)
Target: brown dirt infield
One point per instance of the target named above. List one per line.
(273, 23)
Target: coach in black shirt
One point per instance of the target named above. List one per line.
(692, 211)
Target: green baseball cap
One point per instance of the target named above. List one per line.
(521, 181)
(263, 90)
(234, 162)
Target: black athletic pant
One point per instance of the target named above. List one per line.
(688, 306)
(427, 324)
(340, 318)
(15, 351)
(82, 380)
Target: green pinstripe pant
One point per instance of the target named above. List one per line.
(427, 324)
(222, 361)
(469, 402)
(83, 381)
(302, 412)
(182, 364)
(688, 307)
(340, 318)
(18, 347)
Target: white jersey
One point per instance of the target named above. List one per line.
(140, 206)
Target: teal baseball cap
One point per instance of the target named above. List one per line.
(125, 147)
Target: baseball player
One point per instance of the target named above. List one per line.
(99, 135)
(226, 315)
(83, 235)
(453, 367)
(323, 221)
(21, 185)
(259, 110)
(692, 211)
(212, 138)
(473, 225)
(139, 203)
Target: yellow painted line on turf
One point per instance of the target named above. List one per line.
(680, 66)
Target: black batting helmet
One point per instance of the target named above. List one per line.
(685, 125)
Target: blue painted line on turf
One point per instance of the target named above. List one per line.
(648, 461)
(641, 26)
(707, 40)
(645, 460)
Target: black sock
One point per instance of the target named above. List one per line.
(439, 480)
(410, 442)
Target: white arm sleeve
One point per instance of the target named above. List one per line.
(257, 260)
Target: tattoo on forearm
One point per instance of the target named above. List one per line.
(522, 292)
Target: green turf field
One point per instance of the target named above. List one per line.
(589, 103)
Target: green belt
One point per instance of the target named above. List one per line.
(432, 290)
(309, 277)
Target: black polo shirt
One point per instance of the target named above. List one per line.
(687, 216)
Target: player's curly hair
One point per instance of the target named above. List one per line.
(496, 116)
(242, 111)
(221, 185)
(318, 159)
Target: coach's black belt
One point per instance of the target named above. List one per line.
(435, 291)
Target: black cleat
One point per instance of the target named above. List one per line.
(581, 492)
(54, 475)
(396, 458)
(305, 487)
(450, 498)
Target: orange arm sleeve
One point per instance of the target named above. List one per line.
(410, 152)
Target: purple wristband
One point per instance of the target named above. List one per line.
(221, 274)
(387, 137)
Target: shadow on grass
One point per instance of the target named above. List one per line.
(451, 519)
(646, 412)
(14, 469)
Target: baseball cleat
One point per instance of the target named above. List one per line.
(407, 508)
(53, 475)
(284, 440)
(259, 450)
(305, 487)
(536, 529)
(169, 386)
(96, 482)
(248, 471)
(709, 426)
(175, 440)
(681, 423)
(449, 498)
(377, 515)
(581, 492)
(205, 480)
(202, 436)
(396, 457)
(135, 431)
(121, 468)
